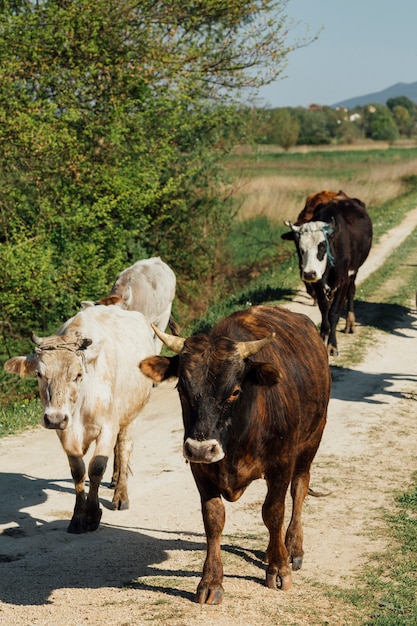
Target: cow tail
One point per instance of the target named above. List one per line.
(318, 494)
(173, 326)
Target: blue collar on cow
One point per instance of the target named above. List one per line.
(325, 231)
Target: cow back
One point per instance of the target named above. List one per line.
(147, 286)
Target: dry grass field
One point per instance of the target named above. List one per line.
(277, 190)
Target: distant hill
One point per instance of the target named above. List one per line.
(381, 97)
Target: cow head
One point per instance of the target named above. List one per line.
(59, 363)
(313, 242)
(213, 372)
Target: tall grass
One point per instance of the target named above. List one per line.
(275, 185)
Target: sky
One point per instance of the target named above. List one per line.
(365, 46)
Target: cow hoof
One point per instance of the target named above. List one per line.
(120, 505)
(285, 581)
(205, 595)
(80, 525)
(297, 562)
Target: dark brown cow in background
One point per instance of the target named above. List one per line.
(313, 200)
(331, 248)
(254, 395)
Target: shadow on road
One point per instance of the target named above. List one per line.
(39, 557)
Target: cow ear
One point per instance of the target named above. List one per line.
(108, 300)
(263, 374)
(332, 226)
(288, 236)
(159, 368)
(23, 366)
(90, 349)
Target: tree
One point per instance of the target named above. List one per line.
(114, 118)
(402, 101)
(284, 128)
(314, 128)
(404, 121)
(379, 123)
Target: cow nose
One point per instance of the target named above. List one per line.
(207, 451)
(57, 422)
(310, 277)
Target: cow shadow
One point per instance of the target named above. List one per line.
(390, 318)
(366, 387)
(38, 557)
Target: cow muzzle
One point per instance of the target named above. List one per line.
(55, 421)
(207, 451)
(310, 277)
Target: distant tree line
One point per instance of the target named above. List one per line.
(321, 125)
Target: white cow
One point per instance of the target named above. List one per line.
(147, 286)
(92, 390)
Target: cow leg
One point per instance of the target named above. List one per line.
(210, 588)
(334, 315)
(87, 513)
(123, 451)
(324, 305)
(299, 488)
(273, 516)
(77, 466)
(350, 313)
(294, 534)
(116, 466)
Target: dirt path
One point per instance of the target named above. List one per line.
(142, 565)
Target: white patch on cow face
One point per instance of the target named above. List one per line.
(313, 251)
(206, 451)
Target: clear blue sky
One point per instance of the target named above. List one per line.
(365, 46)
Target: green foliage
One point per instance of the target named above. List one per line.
(379, 123)
(113, 123)
(404, 102)
(283, 128)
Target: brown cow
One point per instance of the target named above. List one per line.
(92, 391)
(313, 200)
(254, 395)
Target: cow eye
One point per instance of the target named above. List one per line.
(78, 377)
(321, 250)
(235, 394)
(38, 374)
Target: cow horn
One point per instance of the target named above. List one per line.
(294, 228)
(36, 340)
(248, 348)
(172, 342)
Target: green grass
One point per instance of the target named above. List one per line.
(388, 586)
(19, 416)
(319, 163)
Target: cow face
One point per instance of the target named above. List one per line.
(59, 365)
(313, 246)
(210, 382)
(213, 373)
